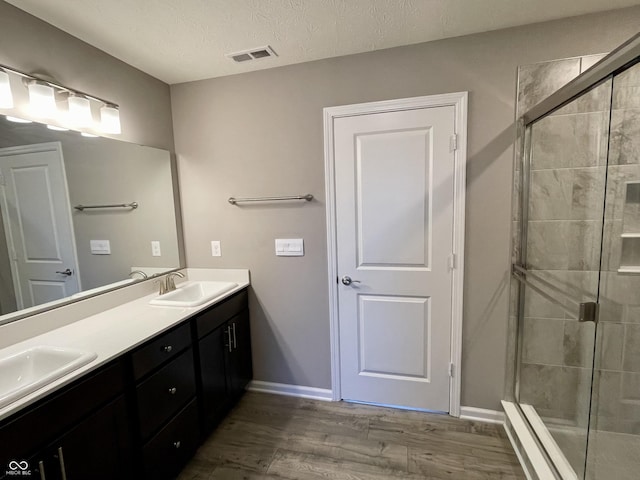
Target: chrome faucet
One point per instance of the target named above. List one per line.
(139, 272)
(170, 283)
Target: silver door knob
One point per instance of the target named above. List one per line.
(347, 280)
(67, 272)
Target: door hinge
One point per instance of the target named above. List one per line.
(452, 261)
(452, 370)
(453, 142)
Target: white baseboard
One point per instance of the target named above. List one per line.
(290, 390)
(481, 415)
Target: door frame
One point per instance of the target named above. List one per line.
(26, 149)
(459, 101)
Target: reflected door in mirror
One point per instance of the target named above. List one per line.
(37, 223)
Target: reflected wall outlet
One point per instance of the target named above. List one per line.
(155, 248)
(215, 248)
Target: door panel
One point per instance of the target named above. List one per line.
(394, 224)
(47, 291)
(399, 326)
(36, 218)
(392, 183)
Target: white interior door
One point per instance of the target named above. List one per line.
(394, 210)
(37, 219)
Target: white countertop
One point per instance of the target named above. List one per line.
(116, 330)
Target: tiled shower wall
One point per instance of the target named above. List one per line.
(555, 371)
(568, 157)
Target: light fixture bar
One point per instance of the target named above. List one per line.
(56, 85)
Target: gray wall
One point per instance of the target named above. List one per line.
(261, 134)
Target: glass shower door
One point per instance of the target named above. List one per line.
(564, 187)
(614, 436)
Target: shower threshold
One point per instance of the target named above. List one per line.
(539, 454)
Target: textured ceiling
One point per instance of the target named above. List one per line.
(183, 40)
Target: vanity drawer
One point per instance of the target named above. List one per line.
(216, 316)
(155, 353)
(166, 453)
(164, 392)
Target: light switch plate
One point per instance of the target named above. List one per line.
(215, 248)
(155, 248)
(100, 247)
(289, 247)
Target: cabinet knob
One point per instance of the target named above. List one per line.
(173, 390)
(167, 348)
(176, 444)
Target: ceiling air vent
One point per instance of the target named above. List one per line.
(252, 54)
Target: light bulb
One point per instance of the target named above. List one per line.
(6, 97)
(110, 119)
(80, 111)
(42, 99)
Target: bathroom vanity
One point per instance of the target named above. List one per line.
(142, 411)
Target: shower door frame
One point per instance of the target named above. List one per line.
(617, 61)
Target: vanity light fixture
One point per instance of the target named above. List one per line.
(79, 110)
(6, 97)
(110, 119)
(42, 99)
(43, 93)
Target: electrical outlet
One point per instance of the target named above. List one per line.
(155, 248)
(215, 248)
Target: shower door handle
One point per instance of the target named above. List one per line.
(588, 312)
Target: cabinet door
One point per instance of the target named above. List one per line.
(213, 349)
(240, 369)
(97, 448)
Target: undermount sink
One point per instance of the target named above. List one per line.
(28, 370)
(192, 294)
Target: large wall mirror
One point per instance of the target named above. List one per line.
(52, 248)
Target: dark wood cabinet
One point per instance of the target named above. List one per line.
(164, 392)
(98, 448)
(224, 351)
(238, 358)
(165, 383)
(213, 377)
(78, 433)
(171, 448)
(144, 414)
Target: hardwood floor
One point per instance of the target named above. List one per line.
(276, 437)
